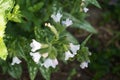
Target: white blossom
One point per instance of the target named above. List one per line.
(74, 48)
(85, 9)
(67, 22)
(89, 53)
(56, 17)
(35, 45)
(36, 57)
(68, 55)
(15, 60)
(84, 65)
(50, 62)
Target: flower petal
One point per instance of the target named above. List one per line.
(67, 22)
(74, 48)
(56, 17)
(68, 55)
(84, 65)
(15, 60)
(36, 57)
(35, 45)
(50, 62)
(85, 10)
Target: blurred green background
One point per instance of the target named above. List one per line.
(105, 46)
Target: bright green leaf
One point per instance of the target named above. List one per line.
(3, 50)
(15, 15)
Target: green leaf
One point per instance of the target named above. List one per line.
(36, 7)
(53, 52)
(94, 2)
(84, 51)
(84, 25)
(45, 72)
(85, 41)
(32, 68)
(71, 38)
(15, 71)
(3, 49)
(4, 66)
(5, 6)
(15, 15)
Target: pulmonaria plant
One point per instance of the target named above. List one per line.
(34, 32)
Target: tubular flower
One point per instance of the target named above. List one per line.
(35, 45)
(68, 55)
(56, 17)
(74, 48)
(36, 57)
(15, 60)
(50, 62)
(67, 22)
(84, 65)
(85, 10)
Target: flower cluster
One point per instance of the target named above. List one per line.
(72, 52)
(57, 17)
(53, 62)
(49, 62)
(36, 55)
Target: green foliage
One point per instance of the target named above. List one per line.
(15, 71)
(5, 8)
(22, 21)
(32, 68)
(3, 49)
(45, 72)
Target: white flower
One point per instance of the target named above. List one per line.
(50, 62)
(35, 56)
(35, 45)
(74, 48)
(15, 60)
(67, 22)
(68, 55)
(84, 65)
(56, 17)
(89, 53)
(85, 9)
